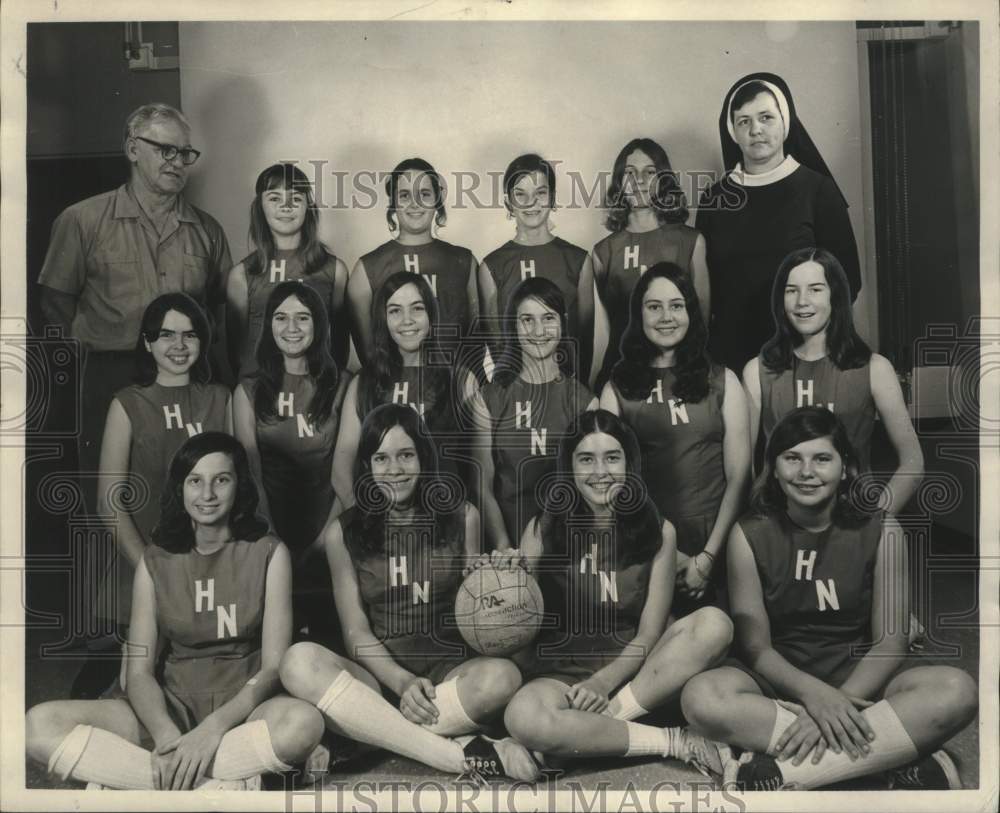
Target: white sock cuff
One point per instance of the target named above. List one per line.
(883, 719)
(891, 748)
(626, 706)
(68, 752)
(646, 739)
(452, 717)
(260, 737)
(336, 688)
(782, 720)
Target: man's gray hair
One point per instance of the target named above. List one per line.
(142, 117)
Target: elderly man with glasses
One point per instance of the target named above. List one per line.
(113, 254)
(109, 256)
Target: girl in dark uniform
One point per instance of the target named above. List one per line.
(690, 417)
(521, 415)
(397, 560)
(147, 422)
(816, 357)
(215, 591)
(529, 185)
(404, 369)
(606, 563)
(287, 416)
(416, 205)
(819, 595)
(284, 225)
(646, 217)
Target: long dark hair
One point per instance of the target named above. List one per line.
(271, 363)
(638, 525)
(421, 167)
(666, 196)
(845, 348)
(634, 374)
(311, 252)
(438, 496)
(376, 382)
(511, 362)
(175, 532)
(156, 311)
(800, 425)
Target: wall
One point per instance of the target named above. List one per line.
(80, 89)
(79, 93)
(469, 97)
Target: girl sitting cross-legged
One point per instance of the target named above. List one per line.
(818, 593)
(606, 563)
(215, 591)
(397, 559)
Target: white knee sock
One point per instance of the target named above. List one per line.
(90, 754)
(624, 706)
(782, 720)
(247, 751)
(891, 748)
(647, 739)
(364, 715)
(452, 718)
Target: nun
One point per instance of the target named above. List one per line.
(777, 195)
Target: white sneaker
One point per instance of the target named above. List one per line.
(487, 758)
(731, 769)
(317, 765)
(708, 756)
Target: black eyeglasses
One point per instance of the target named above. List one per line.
(169, 152)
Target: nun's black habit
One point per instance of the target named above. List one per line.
(751, 222)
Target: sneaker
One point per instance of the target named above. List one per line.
(935, 772)
(95, 786)
(317, 765)
(707, 756)
(760, 773)
(486, 759)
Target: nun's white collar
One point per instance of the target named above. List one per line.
(779, 173)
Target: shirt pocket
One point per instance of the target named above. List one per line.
(120, 279)
(195, 280)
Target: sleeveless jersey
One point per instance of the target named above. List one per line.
(414, 387)
(682, 460)
(445, 267)
(528, 421)
(209, 610)
(817, 590)
(597, 602)
(296, 457)
(287, 265)
(624, 255)
(408, 589)
(557, 261)
(162, 419)
(846, 393)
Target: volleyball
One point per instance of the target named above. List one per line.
(498, 611)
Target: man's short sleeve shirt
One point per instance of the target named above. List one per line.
(107, 253)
